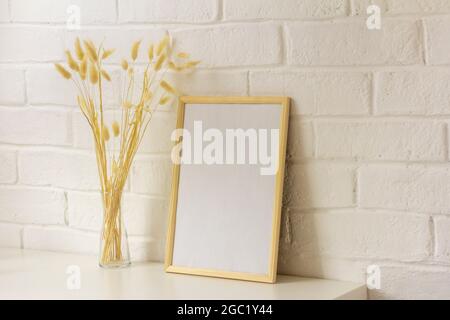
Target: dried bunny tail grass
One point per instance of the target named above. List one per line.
(62, 71)
(78, 49)
(127, 104)
(83, 68)
(132, 126)
(166, 86)
(106, 135)
(107, 53)
(71, 62)
(91, 50)
(115, 128)
(135, 50)
(106, 75)
(147, 95)
(93, 74)
(183, 55)
(151, 51)
(160, 62)
(192, 64)
(124, 64)
(164, 100)
(174, 67)
(162, 45)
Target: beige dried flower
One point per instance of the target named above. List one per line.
(106, 75)
(79, 50)
(114, 165)
(106, 133)
(62, 71)
(71, 62)
(83, 68)
(135, 50)
(183, 55)
(115, 128)
(107, 53)
(124, 64)
(166, 86)
(162, 45)
(147, 95)
(93, 74)
(160, 62)
(150, 52)
(174, 67)
(191, 64)
(91, 50)
(127, 104)
(164, 100)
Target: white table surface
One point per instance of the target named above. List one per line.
(27, 274)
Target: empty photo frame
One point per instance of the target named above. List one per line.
(227, 187)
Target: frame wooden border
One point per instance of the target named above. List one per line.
(284, 102)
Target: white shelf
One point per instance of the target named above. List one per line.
(26, 274)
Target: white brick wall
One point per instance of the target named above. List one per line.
(340, 233)
(233, 45)
(419, 92)
(12, 86)
(420, 188)
(368, 180)
(351, 43)
(4, 11)
(37, 43)
(45, 11)
(197, 11)
(286, 9)
(8, 169)
(317, 93)
(35, 126)
(381, 139)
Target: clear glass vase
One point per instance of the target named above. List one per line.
(114, 251)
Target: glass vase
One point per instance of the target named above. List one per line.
(114, 251)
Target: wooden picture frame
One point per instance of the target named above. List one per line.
(270, 275)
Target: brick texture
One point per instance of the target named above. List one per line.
(351, 43)
(197, 11)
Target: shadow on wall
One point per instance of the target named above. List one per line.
(303, 241)
(293, 252)
(295, 256)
